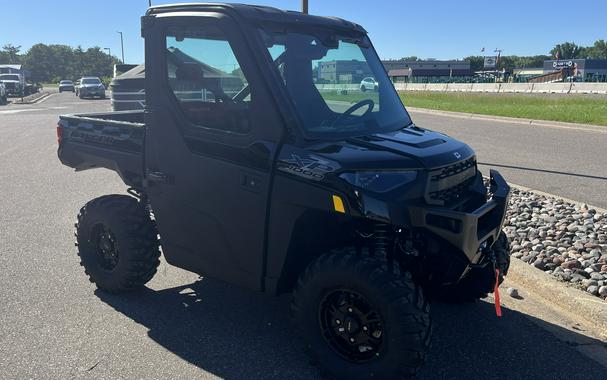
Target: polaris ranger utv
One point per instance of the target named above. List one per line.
(258, 161)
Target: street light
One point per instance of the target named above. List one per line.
(121, 46)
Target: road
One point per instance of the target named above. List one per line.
(568, 162)
(54, 324)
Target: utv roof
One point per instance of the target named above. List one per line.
(261, 14)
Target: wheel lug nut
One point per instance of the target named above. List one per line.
(365, 328)
(349, 310)
(338, 322)
(352, 340)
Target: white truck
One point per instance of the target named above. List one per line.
(14, 79)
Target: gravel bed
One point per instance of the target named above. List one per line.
(564, 239)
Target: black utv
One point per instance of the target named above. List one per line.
(259, 161)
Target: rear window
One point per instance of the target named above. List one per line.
(91, 81)
(65, 82)
(9, 77)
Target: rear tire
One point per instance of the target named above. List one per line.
(117, 243)
(393, 348)
(481, 281)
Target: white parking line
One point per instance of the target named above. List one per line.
(20, 110)
(4, 112)
(43, 99)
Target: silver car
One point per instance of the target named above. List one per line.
(90, 87)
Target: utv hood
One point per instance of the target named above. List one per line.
(411, 147)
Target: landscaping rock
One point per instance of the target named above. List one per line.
(566, 240)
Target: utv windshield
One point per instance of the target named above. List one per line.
(337, 84)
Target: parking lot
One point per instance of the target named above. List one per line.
(54, 324)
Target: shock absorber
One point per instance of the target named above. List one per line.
(381, 240)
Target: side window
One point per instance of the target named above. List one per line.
(207, 80)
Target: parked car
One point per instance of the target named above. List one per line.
(368, 84)
(361, 215)
(66, 85)
(3, 94)
(90, 87)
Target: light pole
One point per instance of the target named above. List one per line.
(121, 46)
(304, 6)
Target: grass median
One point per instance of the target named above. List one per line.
(566, 107)
(585, 109)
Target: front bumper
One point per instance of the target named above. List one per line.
(467, 231)
(94, 92)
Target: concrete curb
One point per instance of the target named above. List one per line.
(540, 192)
(36, 100)
(514, 120)
(591, 311)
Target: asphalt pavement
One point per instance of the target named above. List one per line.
(54, 324)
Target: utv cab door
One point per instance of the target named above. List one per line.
(209, 153)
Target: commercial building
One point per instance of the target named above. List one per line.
(428, 71)
(586, 69)
(579, 70)
(342, 71)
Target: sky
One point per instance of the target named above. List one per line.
(398, 28)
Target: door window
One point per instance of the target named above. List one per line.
(206, 79)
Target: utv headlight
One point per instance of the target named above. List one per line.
(379, 182)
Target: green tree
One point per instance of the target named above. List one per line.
(477, 62)
(51, 63)
(596, 51)
(10, 54)
(566, 50)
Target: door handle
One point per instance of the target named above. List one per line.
(156, 176)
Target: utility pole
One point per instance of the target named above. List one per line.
(121, 46)
(304, 6)
(497, 63)
(499, 54)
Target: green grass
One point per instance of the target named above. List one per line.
(584, 109)
(570, 108)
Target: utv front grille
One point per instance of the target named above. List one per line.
(449, 183)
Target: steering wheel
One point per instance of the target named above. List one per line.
(366, 102)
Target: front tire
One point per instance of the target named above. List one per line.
(360, 319)
(117, 243)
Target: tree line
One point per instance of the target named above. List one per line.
(52, 63)
(565, 50)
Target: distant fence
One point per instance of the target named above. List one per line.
(530, 88)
